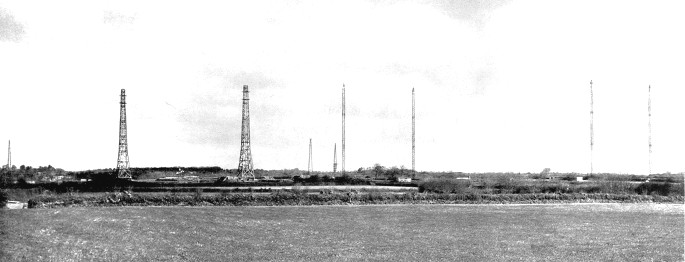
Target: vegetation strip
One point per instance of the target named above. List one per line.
(286, 198)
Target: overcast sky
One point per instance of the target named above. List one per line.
(500, 85)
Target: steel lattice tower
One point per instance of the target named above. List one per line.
(310, 164)
(335, 158)
(592, 128)
(413, 134)
(649, 126)
(343, 131)
(245, 162)
(122, 161)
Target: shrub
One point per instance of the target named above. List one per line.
(658, 188)
(3, 198)
(445, 186)
(198, 193)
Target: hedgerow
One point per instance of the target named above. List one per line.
(288, 198)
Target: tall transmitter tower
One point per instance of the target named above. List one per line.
(122, 161)
(413, 135)
(649, 125)
(342, 171)
(592, 128)
(245, 162)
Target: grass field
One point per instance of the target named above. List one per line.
(566, 232)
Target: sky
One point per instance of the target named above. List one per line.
(501, 86)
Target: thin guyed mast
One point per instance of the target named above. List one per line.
(592, 130)
(343, 130)
(413, 134)
(310, 164)
(649, 126)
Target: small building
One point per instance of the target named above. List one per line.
(168, 178)
(579, 178)
(404, 179)
(191, 178)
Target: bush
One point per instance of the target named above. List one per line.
(3, 198)
(198, 193)
(658, 188)
(445, 186)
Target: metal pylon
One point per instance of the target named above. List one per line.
(245, 162)
(123, 171)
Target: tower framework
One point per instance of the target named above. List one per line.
(123, 171)
(245, 161)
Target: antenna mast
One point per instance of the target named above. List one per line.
(9, 155)
(245, 162)
(123, 171)
(592, 130)
(335, 158)
(343, 130)
(310, 165)
(413, 134)
(649, 125)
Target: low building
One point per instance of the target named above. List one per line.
(404, 179)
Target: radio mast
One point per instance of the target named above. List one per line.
(123, 171)
(335, 158)
(592, 130)
(649, 126)
(245, 162)
(343, 130)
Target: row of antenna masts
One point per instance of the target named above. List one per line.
(310, 163)
(245, 162)
(649, 126)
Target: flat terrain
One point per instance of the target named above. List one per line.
(566, 232)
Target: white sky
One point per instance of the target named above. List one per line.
(501, 85)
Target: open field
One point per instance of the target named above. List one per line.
(567, 232)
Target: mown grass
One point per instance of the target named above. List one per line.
(584, 232)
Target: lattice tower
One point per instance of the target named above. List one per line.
(123, 171)
(245, 162)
